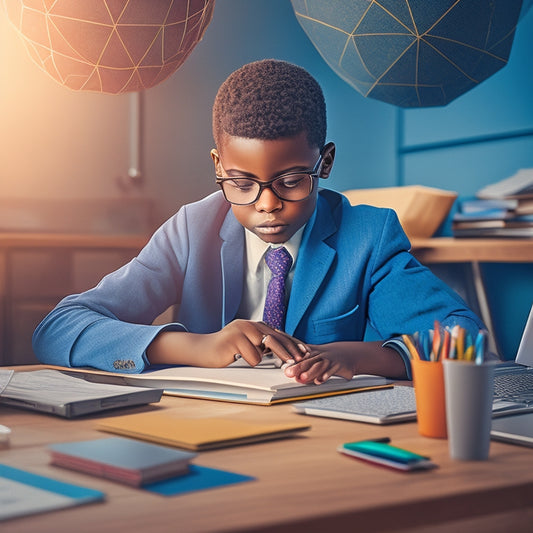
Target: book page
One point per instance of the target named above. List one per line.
(261, 377)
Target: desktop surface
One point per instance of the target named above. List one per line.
(302, 483)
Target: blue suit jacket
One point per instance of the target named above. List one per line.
(353, 271)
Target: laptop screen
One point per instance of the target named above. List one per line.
(524, 355)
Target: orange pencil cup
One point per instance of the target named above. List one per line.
(428, 379)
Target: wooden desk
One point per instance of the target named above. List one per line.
(302, 484)
(474, 252)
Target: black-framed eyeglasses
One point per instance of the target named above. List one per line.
(290, 187)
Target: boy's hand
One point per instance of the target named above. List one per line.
(320, 363)
(251, 340)
(245, 338)
(345, 359)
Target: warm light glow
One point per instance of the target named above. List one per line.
(110, 46)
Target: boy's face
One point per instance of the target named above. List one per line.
(271, 219)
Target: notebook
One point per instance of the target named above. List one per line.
(57, 393)
(127, 461)
(382, 406)
(23, 493)
(197, 434)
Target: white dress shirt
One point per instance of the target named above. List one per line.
(257, 274)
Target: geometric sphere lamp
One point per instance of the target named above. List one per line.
(411, 53)
(110, 46)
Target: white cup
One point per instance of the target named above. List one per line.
(469, 391)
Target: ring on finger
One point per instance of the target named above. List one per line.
(264, 339)
(236, 356)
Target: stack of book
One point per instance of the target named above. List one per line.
(503, 209)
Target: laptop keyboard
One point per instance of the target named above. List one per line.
(514, 385)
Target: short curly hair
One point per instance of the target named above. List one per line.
(270, 99)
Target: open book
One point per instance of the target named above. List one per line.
(263, 384)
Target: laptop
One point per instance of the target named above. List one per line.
(513, 380)
(54, 392)
(513, 387)
(516, 429)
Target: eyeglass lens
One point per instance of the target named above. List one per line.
(244, 191)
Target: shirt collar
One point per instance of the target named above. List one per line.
(256, 247)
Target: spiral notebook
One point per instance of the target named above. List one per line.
(381, 406)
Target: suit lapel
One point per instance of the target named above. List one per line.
(314, 261)
(232, 264)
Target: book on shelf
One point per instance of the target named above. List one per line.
(487, 207)
(524, 206)
(491, 218)
(519, 232)
(127, 461)
(239, 382)
(524, 221)
(518, 185)
(506, 207)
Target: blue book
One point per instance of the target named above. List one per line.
(23, 493)
(124, 460)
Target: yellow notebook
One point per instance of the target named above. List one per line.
(196, 433)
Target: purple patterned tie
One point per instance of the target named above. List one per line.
(279, 261)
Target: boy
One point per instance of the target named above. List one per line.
(348, 267)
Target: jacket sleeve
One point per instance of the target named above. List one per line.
(110, 326)
(407, 297)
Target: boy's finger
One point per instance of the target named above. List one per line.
(251, 353)
(300, 367)
(297, 349)
(272, 343)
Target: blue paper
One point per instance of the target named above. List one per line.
(199, 478)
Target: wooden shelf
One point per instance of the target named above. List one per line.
(452, 250)
(37, 270)
(71, 240)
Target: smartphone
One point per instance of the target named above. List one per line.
(386, 454)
